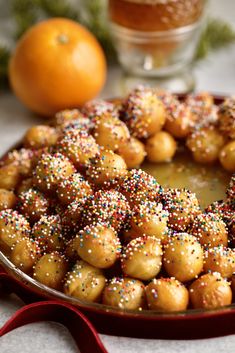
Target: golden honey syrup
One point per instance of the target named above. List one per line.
(155, 15)
(209, 182)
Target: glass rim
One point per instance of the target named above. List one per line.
(140, 36)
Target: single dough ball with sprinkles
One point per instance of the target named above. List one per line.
(24, 254)
(78, 146)
(72, 215)
(106, 168)
(7, 199)
(167, 294)
(205, 144)
(107, 206)
(40, 136)
(220, 259)
(143, 112)
(210, 291)
(227, 157)
(13, 227)
(149, 218)
(98, 245)
(201, 105)
(81, 123)
(22, 159)
(124, 293)
(137, 186)
(32, 204)
(227, 117)
(142, 258)
(67, 116)
(85, 282)
(51, 170)
(98, 108)
(48, 233)
(9, 176)
(183, 257)
(161, 147)
(179, 119)
(182, 206)
(73, 188)
(110, 132)
(223, 209)
(133, 152)
(51, 269)
(210, 230)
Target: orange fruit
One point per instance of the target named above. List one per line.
(57, 64)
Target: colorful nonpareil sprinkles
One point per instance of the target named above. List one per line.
(79, 215)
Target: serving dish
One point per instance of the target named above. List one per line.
(149, 324)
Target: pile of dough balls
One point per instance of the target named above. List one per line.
(78, 216)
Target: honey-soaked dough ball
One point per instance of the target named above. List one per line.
(40, 136)
(7, 199)
(227, 117)
(78, 146)
(143, 112)
(182, 206)
(220, 259)
(124, 293)
(149, 218)
(179, 120)
(24, 254)
(50, 170)
(210, 291)
(48, 233)
(142, 258)
(183, 257)
(67, 116)
(133, 152)
(108, 206)
(73, 188)
(221, 208)
(106, 168)
(201, 105)
(205, 144)
(210, 230)
(81, 123)
(161, 147)
(98, 245)
(22, 159)
(137, 186)
(9, 176)
(227, 156)
(199, 101)
(97, 108)
(167, 294)
(110, 132)
(32, 204)
(13, 227)
(71, 216)
(51, 269)
(85, 282)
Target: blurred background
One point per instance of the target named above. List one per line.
(213, 61)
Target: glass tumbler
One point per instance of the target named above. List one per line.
(156, 38)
